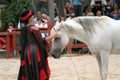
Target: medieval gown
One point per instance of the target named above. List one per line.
(34, 63)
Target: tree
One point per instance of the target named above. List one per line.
(61, 5)
(12, 11)
(51, 10)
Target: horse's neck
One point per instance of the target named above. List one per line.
(78, 35)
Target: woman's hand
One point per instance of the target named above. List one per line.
(34, 28)
(56, 35)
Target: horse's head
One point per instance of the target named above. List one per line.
(58, 44)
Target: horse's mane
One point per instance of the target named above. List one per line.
(89, 22)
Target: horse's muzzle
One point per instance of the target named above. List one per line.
(56, 57)
(56, 53)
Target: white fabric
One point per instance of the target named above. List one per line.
(19, 25)
(42, 25)
(103, 2)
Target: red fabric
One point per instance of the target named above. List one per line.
(26, 16)
(48, 68)
(42, 74)
(23, 78)
(28, 56)
(2, 40)
(22, 63)
(1, 45)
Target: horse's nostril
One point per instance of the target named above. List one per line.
(53, 55)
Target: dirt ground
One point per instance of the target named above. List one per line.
(66, 68)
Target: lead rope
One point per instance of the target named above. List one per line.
(72, 62)
(75, 68)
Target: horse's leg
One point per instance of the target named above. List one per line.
(102, 59)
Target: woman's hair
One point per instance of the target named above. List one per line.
(10, 24)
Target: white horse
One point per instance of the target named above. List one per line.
(100, 34)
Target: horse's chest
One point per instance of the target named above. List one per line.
(116, 43)
(116, 39)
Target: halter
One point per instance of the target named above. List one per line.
(55, 30)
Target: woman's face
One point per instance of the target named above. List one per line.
(10, 26)
(31, 19)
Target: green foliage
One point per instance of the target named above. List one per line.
(12, 11)
(5, 1)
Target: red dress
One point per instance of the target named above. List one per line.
(34, 62)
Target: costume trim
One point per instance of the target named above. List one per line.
(27, 16)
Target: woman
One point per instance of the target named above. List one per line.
(98, 5)
(42, 23)
(10, 28)
(34, 63)
(68, 10)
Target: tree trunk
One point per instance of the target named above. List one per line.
(118, 4)
(60, 6)
(51, 10)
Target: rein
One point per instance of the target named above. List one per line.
(71, 62)
(55, 30)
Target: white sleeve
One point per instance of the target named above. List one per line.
(45, 25)
(104, 2)
(92, 2)
(19, 25)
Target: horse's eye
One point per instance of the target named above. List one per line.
(57, 38)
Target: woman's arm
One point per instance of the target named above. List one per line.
(49, 38)
(37, 34)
